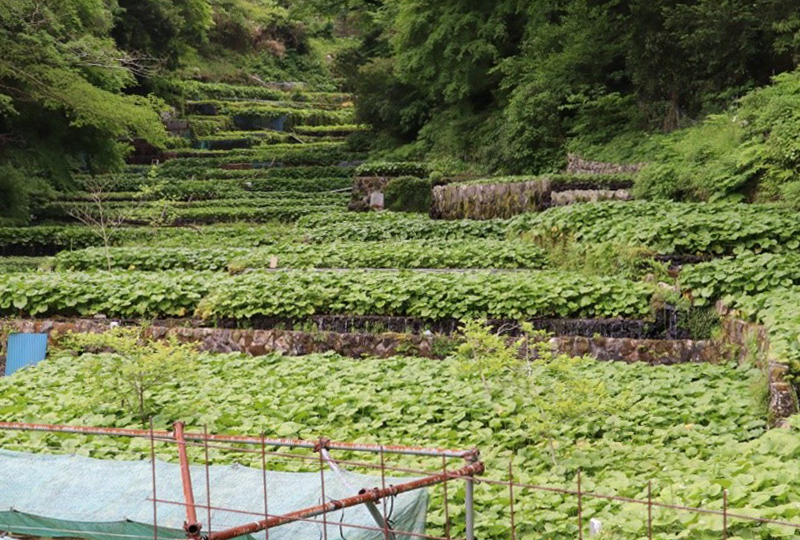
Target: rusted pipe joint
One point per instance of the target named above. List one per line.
(473, 456)
(192, 530)
(322, 443)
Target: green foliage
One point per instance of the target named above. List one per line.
(118, 294)
(409, 195)
(384, 102)
(21, 264)
(745, 274)
(209, 259)
(373, 226)
(46, 238)
(198, 90)
(407, 254)
(335, 130)
(21, 196)
(317, 154)
(243, 25)
(728, 155)
(691, 430)
(430, 296)
(393, 168)
(564, 181)
(305, 172)
(527, 80)
(483, 353)
(607, 259)
(163, 29)
(294, 113)
(260, 190)
(790, 193)
(702, 323)
(50, 239)
(778, 311)
(523, 364)
(706, 163)
(133, 367)
(253, 213)
(667, 227)
(254, 207)
(297, 294)
(62, 78)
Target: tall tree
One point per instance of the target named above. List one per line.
(61, 82)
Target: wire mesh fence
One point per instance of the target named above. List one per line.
(726, 515)
(338, 486)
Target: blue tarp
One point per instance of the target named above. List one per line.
(74, 496)
(25, 350)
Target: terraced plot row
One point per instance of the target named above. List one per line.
(298, 294)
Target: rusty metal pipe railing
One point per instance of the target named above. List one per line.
(191, 525)
(373, 510)
(365, 496)
(238, 439)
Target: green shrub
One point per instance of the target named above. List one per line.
(753, 147)
(409, 195)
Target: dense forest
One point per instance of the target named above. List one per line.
(499, 86)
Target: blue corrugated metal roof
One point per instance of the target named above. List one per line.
(25, 350)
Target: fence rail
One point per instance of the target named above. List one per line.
(726, 514)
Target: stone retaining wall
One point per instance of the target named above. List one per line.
(363, 188)
(578, 165)
(505, 200)
(749, 342)
(253, 342)
(384, 345)
(650, 351)
(489, 201)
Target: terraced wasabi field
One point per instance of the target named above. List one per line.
(246, 220)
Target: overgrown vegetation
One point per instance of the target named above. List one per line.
(748, 152)
(525, 81)
(132, 369)
(692, 430)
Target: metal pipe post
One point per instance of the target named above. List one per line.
(191, 526)
(470, 507)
